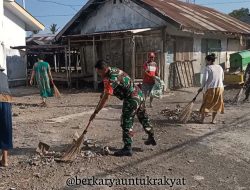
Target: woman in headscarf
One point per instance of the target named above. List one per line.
(212, 85)
(5, 118)
(42, 73)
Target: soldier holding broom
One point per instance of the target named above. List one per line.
(247, 82)
(118, 83)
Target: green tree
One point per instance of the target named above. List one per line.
(239, 13)
(53, 28)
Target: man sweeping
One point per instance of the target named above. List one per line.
(247, 83)
(118, 83)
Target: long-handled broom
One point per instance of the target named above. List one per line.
(187, 110)
(75, 148)
(237, 97)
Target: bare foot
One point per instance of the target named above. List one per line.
(213, 122)
(4, 163)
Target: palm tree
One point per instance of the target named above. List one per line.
(53, 28)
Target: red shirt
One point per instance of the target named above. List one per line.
(152, 70)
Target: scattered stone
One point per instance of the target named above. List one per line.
(191, 161)
(37, 175)
(15, 114)
(173, 115)
(42, 148)
(106, 151)
(198, 178)
(75, 137)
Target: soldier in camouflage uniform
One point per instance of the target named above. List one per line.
(247, 82)
(118, 83)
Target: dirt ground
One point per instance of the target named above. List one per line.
(192, 156)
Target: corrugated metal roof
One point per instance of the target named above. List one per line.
(40, 39)
(197, 18)
(189, 17)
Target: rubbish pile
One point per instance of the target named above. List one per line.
(44, 156)
(172, 115)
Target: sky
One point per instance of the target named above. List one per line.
(61, 11)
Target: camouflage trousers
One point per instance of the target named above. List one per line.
(247, 92)
(131, 107)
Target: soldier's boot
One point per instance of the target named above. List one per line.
(126, 151)
(150, 140)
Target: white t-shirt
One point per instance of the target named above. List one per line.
(213, 77)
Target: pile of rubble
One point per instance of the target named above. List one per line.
(90, 149)
(172, 115)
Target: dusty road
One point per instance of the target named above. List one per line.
(191, 156)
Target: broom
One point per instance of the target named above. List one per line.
(237, 97)
(74, 149)
(57, 94)
(186, 112)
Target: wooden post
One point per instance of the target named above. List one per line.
(123, 53)
(55, 66)
(94, 71)
(69, 63)
(66, 64)
(133, 58)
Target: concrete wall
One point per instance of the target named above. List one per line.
(2, 57)
(14, 35)
(120, 16)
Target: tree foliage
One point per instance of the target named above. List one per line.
(53, 28)
(239, 13)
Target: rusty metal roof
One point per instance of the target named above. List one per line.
(195, 17)
(187, 17)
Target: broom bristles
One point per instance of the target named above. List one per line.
(186, 112)
(73, 150)
(238, 96)
(57, 94)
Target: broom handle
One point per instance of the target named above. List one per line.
(196, 96)
(86, 129)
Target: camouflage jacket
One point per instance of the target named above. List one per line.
(121, 83)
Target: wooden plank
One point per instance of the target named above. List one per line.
(178, 74)
(94, 71)
(190, 73)
(185, 73)
(133, 58)
(192, 67)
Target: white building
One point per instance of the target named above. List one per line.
(14, 22)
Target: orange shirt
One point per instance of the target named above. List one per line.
(107, 87)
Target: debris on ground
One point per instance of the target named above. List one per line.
(173, 115)
(42, 148)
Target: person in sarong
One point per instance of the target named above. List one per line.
(42, 73)
(213, 88)
(5, 118)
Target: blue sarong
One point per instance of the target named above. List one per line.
(5, 126)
